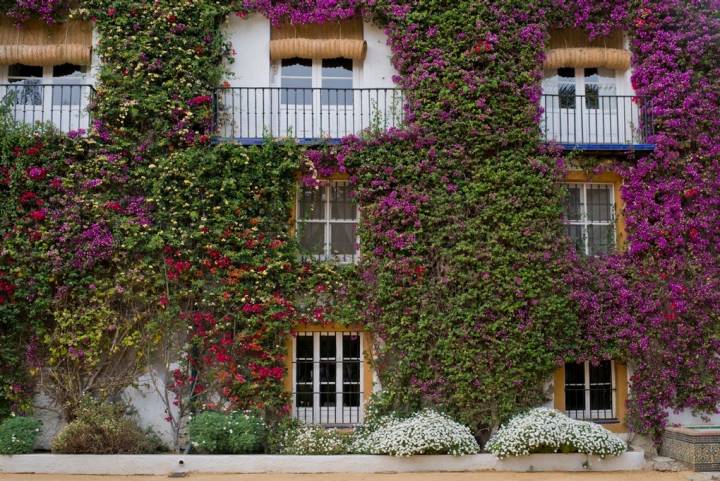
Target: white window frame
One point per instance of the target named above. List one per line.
(595, 414)
(584, 222)
(327, 222)
(338, 415)
(552, 88)
(48, 109)
(276, 73)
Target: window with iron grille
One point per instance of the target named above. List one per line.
(328, 378)
(590, 391)
(589, 217)
(327, 222)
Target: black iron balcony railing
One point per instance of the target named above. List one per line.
(592, 122)
(248, 114)
(64, 105)
(595, 404)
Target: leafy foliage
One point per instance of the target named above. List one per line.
(18, 435)
(103, 428)
(219, 433)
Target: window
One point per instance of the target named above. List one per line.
(590, 391)
(28, 79)
(296, 81)
(336, 82)
(328, 377)
(68, 80)
(589, 217)
(595, 85)
(327, 222)
(332, 77)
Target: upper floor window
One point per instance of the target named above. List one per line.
(586, 85)
(589, 217)
(299, 76)
(327, 222)
(67, 82)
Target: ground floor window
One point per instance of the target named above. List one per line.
(328, 379)
(590, 391)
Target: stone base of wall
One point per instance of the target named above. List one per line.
(698, 448)
(164, 464)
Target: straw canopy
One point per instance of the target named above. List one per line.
(327, 40)
(573, 48)
(37, 43)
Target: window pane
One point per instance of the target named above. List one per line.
(601, 373)
(606, 79)
(327, 347)
(575, 373)
(342, 203)
(599, 206)
(25, 71)
(304, 347)
(566, 87)
(351, 346)
(575, 233)
(342, 238)
(328, 371)
(601, 394)
(336, 92)
(575, 387)
(68, 69)
(573, 203)
(600, 239)
(304, 396)
(312, 203)
(24, 92)
(592, 100)
(337, 67)
(312, 237)
(296, 67)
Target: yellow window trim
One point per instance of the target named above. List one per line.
(332, 327)
(621, 393)
(580, 176)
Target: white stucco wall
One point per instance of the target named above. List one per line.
(377, 71)
(250, 39)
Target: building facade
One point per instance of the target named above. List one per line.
(319, 84)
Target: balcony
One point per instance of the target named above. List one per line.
(597, 123)
(309, 115)
(65, 106)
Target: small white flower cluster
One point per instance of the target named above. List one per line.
(315, 440)
(548, 430)
(425, 432)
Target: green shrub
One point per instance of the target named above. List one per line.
(18, 435)
(315, 440)
(103, 428)
(233, 433)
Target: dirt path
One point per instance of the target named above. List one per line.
(482, 476)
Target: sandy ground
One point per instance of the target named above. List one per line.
(489, 476)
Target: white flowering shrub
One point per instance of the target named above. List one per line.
(425, 432)
(547, 430)
(315, 440)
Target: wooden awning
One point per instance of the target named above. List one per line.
(37, 43)
(573, 48)
(327, 40)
